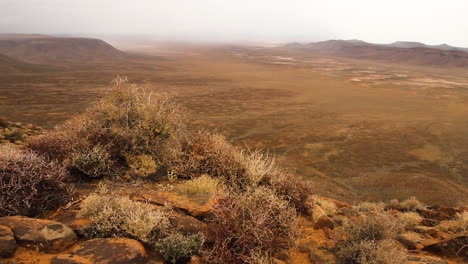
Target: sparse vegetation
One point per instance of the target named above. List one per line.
(116, 216)
(251, 223)
(178, 248)
(30, 185)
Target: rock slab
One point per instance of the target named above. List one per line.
(43, 235)
(111, 251)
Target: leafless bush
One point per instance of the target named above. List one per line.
(29, 185)
(369, 239)
(291, 188)
(246, 224)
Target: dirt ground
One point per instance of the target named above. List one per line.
(358, 130)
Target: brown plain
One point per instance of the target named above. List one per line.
(360, 130)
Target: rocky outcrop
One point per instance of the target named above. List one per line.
(110, 251)
(43, 235)
(8, 244)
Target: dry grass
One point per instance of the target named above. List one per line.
(113, 215)
(409, 220)
(250, 223)
(408, 205)
(457, 225)
(202, 185)
(30, 185)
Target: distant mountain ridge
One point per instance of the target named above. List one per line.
(399, 52)
(58, 50)
(409, 44)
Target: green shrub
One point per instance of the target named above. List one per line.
(118, 216)
(251, 223)
(95, 162)
(179, 248)
(30, 185)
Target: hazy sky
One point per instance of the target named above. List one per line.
(381, 21)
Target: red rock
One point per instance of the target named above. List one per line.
(324, 222)
(8, 244)
(43, 235)
(111, 251)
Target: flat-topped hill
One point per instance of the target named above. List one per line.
(58, 50)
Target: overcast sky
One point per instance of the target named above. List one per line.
(380, 21)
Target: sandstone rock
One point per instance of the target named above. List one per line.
(70, 259)
(197, 205)
(111, 251)
(70, 219)
(8, 244)
(187, 224)
(40, 234)
(407, 241)
(451, 247)
(324, 222)
(348, 212)
(440, 214)
(195, 260)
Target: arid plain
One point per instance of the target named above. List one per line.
(359, 130)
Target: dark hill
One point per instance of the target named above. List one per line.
(52, 50)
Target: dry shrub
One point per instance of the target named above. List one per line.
(409, 220)
(371, 252)
(293, 189)
(409, 205)
(129, 121)
(113, 215)
(211, 154)
(178, 248)
(246, 224)
(372, 226)
(29, 185)
(368, 240)
(203, 185)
